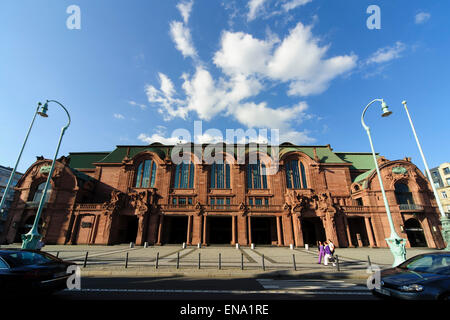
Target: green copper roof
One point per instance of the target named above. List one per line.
(359, 160)
(324, 153)
(121, 151)
(84, 160)
(363, 176)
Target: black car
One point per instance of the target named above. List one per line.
(423, 277)
(32, 271)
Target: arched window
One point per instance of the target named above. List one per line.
(220, 176)
(402, 194)
(146, 174)
(256, 176)
(38, 192)
(184, 176)
(295, 175)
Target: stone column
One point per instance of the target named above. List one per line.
(288, 236)
(189, 228)
(298, 234)
(76, 225)
(280, 240)
(249, 230)
(369, 232)
(160, 227)
(233, 230)
(242, 230)
(141, 229)
(347, 228)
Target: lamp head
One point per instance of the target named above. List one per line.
(385, 108)
(43, 110)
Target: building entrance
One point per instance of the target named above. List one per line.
(358, 232)
(264, 230)
(219, 230)
(313, 231)
(415, 234)
(128, 227)
(175, 229)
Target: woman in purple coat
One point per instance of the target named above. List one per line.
(321, 252)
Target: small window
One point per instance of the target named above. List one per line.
(444, 195)
(359, 202)
(446, 170)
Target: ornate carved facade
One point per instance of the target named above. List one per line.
(137, 194)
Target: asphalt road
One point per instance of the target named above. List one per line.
(183, 288)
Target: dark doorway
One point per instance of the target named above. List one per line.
(264, 230)
(313, 231)
(128, 229)
(415, 234)
(175, 229)
(358, 232)
(219, 230)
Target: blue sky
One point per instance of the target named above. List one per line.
(138, 70)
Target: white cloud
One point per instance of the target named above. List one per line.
(118, 116)
(298, 60)
(387, 53)
(254, 8)
(181, 35)
(157, 137)
(140, 105)
(294, 4)
(422, 17)
(185, 8)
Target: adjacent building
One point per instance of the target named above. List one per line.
(5, 173)
(229, 194)
(441, 179)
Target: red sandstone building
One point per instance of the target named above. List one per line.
(137, 194)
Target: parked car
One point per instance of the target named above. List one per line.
(31, 271)
(423, 277)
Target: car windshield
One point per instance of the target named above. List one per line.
(24, 258)
(430, 263)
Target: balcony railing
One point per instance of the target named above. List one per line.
(88, 206)
(356, 209)
(411, 207)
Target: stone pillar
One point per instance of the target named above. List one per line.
(189, 228)
(347, 228)
(369, 232)
(233, 230)
(153, 227)
(298, 234)
(249, 230)
(279, 236)
(94, 229)
(288, 236)
(242, 230)
(160, 227)
(141, 229)
(76, 225)
(204, 231)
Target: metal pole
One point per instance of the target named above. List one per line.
(242, 261)
(263, 265)
(85, 259)
(444, 219)
(157, 260)
(337, 263)
(396, 244)
(293, 260)
(11, 177)
(220, 261)
(30, 240)
(178, 260)
(199, 260)
(126, 261)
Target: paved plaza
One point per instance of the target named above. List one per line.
(218, 261)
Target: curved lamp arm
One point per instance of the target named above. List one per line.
(364, 112)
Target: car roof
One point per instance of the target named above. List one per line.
(9, 250)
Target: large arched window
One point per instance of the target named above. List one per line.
(295, 175)
(38, 192)
(256, 176)
(220, 176)
(146, 174)
(402, 194)
(184, 176)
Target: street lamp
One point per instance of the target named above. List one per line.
(444, 219)
(30, 240)
(396, 244)
(42, 111)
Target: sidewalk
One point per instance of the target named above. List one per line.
(261, 262)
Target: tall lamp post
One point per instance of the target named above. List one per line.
(396, 244)
(42, 111)
(444, 219)
(31, 239)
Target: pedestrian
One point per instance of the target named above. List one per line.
(331, 244)
(321, 251)
(328, 255)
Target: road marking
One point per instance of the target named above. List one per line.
(303, 285)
